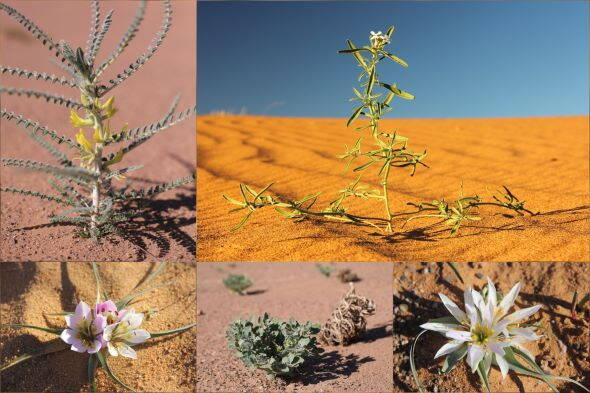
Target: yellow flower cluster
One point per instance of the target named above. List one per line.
(102, 132)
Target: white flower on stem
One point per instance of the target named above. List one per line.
(84, 331)
(485, 327)
(378, 39)
(121, 334)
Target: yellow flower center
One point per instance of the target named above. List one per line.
(480, 334)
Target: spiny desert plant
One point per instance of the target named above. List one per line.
(110, 328)
(94, 204)
(349, 320)
(486, 334)
(390, 150)
(273, 345)
(237, 283)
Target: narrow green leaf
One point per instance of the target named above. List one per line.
(50, 347)
(454, 269)
(390, 31)
(173, 331)
(413, 364)
(357, 55)
(153, 275)
(24, 326)
(105, 366)
(371, 81)
(483, 376)
(396, 59)
(92, 364)
(365, 165)
(355, 114)
(453, 358)
(99, 291)
(242, 221)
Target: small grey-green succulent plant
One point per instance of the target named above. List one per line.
(93, 203)
(273, 345)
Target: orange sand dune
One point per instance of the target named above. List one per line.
(544, 161)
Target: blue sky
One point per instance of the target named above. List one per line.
(466, 59)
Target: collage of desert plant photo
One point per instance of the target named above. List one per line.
(236, 196)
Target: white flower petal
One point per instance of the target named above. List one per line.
(67, 336)
(108, 331)
(474, 355)
(83, 310)
(127, 351)
(112, 349)
(522, 313)
(503, 364)
(459, 335)
(527, 334)
(449, 347)
(138, 336)
(496, 347)
(453, 308)
(492, 295)
(508, 300)
(440, 327)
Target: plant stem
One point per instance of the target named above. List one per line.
(98, 169)
(386, 197)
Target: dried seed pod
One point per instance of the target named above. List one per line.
(348, 320)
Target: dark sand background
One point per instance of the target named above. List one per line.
(563, 350)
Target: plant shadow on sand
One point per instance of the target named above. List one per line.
(330, 364)
(419, 310)
(156, 223)
(16, 377)
(436, 231)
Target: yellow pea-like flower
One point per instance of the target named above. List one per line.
(77, 121)
(85, 143)
(108, 107)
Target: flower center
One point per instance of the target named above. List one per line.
(85, 333)
(480, 334)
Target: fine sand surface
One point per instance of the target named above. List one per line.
(166, 231)
(29, 291)
(302, 292)
(563, 350)
(544, 161)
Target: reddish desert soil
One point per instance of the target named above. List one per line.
(302, 292)
(166, 231)
(30, 290)
(564, 349)
(544, 161)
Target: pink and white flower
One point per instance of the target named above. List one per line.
(121, 335)
(84, 331)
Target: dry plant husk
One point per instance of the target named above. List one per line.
(348, 321)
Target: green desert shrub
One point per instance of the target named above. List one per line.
(273, 345)
(237, 283)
